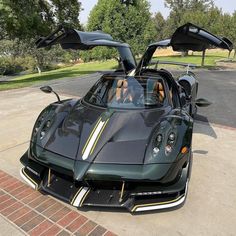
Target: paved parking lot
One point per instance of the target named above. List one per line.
(210, 208)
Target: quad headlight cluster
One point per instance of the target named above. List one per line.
(45, 128)
(43, 123)
(167, 142)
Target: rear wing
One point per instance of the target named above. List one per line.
(79, 40)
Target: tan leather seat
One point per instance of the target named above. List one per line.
(115, 93)
(159, 90)
(119, 89)
(122, 91)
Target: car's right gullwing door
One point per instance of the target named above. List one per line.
(186, 37)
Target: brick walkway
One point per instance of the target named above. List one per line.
(37, 214)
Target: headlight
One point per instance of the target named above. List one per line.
(42, 134)
(44, 121)
(171, 137)
(168, 149)
(45, 128)
(39, 122)
(171, 140)
(155, 150)
(157, 144)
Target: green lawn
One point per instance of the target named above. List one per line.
(87, 68)
(67, 72)
(210, 59)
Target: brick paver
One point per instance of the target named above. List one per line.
(86, 228)
(41, 228)
(41, 215)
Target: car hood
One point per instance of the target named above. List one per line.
(97, 135)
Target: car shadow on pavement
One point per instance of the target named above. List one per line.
(201, 152)
(124, 210)
(203, 126)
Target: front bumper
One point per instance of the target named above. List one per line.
(133, 196)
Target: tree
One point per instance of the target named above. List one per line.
(26, 21)
(67, 13)
(233, 31)
(160, 25)
(183, 11)
(131, 24)
(33, 18)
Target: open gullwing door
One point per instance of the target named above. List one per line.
(79, 40)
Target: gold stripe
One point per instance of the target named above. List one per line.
(49, 176)
(91, 134)
(84, 197)
(156, 204)
(72, 202)
(95, 143)
(29, 178)
(122, 191)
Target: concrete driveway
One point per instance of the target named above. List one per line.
(210, 208)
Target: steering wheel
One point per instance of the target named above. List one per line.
(152, 98)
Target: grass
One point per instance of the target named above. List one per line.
(87, 68)
(67, 72)
(210, 59)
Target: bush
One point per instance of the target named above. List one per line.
(10, 66)
(99, 54)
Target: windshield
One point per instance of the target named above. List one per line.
(128, 92)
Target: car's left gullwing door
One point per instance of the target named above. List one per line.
(79, 40)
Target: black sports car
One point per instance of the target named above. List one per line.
(127, 142)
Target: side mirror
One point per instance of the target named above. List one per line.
(48, 89)
(202, 102)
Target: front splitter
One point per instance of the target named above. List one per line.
(79, 196)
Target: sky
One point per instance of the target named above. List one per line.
(228, 6)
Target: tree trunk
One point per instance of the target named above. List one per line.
(203, 57)
(39, 70)
(234, 53)
(184, 53)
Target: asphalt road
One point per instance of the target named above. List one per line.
(219, 87)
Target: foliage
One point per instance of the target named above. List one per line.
(200, 12)
(160, 25)
(131, 24)
(29, 19)
(23, 22)
(66, 13)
